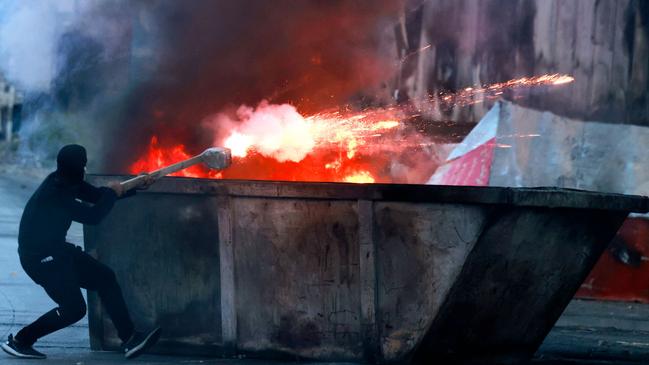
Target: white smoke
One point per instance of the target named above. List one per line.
(57, 53)
(29, 30)
(277, 131)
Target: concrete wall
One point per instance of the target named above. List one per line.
(568, 153)
(603, 44)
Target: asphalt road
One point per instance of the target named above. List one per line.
(587, 333)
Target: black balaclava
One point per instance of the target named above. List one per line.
(71, 163)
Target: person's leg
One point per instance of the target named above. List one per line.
(58, 279)
(93, 275)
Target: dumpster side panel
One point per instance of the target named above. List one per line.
(523, 271)
(297, 277)
(346, 272)
(164, 250)
(421, 250)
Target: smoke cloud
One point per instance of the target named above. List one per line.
(111, 74)
(216, 55)
(27, 56)
(66, 57)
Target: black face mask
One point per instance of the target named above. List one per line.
(71, 163)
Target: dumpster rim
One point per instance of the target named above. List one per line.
(547, 197)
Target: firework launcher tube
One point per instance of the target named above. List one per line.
(216, 158)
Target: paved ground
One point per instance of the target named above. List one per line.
(588, 332)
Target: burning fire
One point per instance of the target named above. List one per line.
(359, 178)
(276, 142)
(279, 131)
(328, 146)
(158, 157)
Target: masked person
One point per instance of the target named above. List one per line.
(62, 268)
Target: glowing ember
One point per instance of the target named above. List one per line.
(563, 79)
(361, 177)
(473, 95)
(276, 142)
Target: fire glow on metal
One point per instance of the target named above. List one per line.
(276, 142)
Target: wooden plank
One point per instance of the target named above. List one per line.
(226, 259)
(367, 256)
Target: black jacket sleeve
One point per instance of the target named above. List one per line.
(128, 193)
(80, 212)
(89, 193)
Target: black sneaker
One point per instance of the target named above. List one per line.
(14, 348)
(140, 342)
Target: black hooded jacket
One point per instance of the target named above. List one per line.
(51, 210)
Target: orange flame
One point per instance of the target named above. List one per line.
(275, 142)
(157, 157)
(361, 177)
(339, 141)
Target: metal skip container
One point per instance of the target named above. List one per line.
(347, 272)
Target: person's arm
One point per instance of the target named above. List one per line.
(121, 194)
(128, 194)
(89, 193)
(91, 215)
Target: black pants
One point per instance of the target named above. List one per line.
(62, 277)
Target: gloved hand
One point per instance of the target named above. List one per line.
(148, 181)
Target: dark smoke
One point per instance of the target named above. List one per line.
(206, 56)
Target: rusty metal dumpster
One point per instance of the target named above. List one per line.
(347, 272)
